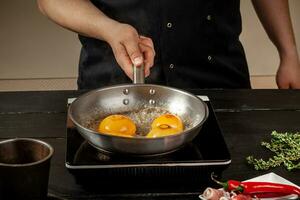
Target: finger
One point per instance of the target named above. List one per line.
(148, 53)
(295, 85)
(133, 51)
(147, 73)
(147, 41)
(283, 85)
(123, 60)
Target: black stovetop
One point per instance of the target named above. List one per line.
(207, 152)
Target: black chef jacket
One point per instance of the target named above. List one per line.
(196, 42)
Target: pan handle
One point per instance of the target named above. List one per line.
(138, 74)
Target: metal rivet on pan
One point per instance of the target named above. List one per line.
(151, 102)
(152, 91)
(126, 91)
(125, 101)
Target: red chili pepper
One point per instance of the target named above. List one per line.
(230, 185)
(267, 187)
(258, 189)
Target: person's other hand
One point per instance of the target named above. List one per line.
(130, 48)
(288, 74)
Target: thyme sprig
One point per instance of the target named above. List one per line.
(285, 146)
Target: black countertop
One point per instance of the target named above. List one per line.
(246, 118)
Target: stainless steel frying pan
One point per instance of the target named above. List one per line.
(128, 98)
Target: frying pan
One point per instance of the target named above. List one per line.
(128, 98)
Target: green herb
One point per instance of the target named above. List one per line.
(286, 147)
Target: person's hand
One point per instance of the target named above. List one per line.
(288, 74)
(130, 48)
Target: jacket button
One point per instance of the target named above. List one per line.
(171, 66)
(208, 17)
(209, 58)
(169, 25)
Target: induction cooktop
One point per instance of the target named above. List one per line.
(207, 153)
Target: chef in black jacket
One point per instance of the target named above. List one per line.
(184, 44)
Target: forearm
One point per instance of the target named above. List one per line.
(275, 17)
(80, 16)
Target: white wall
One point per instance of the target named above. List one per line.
(32, 46)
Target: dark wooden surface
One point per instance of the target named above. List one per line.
(246, 117)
